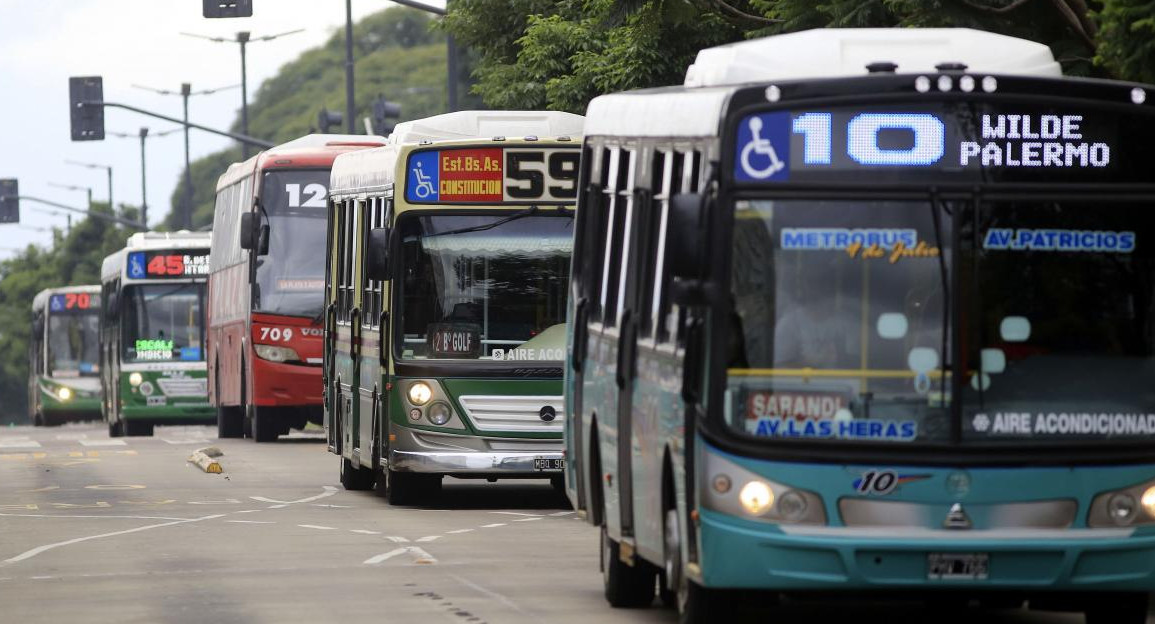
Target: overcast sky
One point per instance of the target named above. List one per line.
(43, 42)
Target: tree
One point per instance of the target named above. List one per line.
(559, 55)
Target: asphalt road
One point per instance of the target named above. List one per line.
(94, 529)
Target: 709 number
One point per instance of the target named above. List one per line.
(276, 334)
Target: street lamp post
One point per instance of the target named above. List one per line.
(111, 205)
(243, 38)
(143, 135)
(73, 187)
(185, 92)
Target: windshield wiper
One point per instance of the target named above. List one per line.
(528, 212)
(935, 206)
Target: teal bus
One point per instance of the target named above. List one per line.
(63, 363)
(868, 312)
(152, 333)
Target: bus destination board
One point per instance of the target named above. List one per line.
(492, 175)
(65, 303)
(167, 264)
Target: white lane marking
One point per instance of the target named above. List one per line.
(329, 491)
(420, 556)
(488, 592)
(186, 440)
(396, 539)
(428, 538)
(365, 532)
(517, 513)
(268, 500)
(459, 531)
(19, 444)
(561, 513)
(277, 506)
(90, 517)
(374, 560)
(526, 519)
(317, 526)
(28, 554)
(248, 511)
(332, 506)
(108, 442)
(251, 521)
(490, 526)
(71, 436)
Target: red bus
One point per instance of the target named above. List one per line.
(266, 287)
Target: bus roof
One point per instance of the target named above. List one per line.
(311, 150)
(144, 241)
(40, 301)
(374, 168)
(842, 52)
(695, 109)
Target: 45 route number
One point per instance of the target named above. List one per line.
(276, 334)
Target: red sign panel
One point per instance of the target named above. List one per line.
(470, 175)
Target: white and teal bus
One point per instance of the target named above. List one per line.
(152, 333)
(63, 363)
(869, 310)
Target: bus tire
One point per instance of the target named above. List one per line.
(407, 488)
(115, 428)
(699, 605)
(229, 419)
(137, 428)
(1118, 609)
(626, 586)
(264, 426)
(355, 477)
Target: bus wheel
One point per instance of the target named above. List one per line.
(406, 488)
(1121, 609)
(229, 419)
(671, 576)
(264, 425)
(626, 586)
(137, 428)
(355, 477)
(115, 428)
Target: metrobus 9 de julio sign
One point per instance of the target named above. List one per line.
(491, 175)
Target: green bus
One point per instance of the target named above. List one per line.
(446, 285)
(63, 364)
(152, 333)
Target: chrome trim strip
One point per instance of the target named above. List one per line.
(907, 533)
(511, 463)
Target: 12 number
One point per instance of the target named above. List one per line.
(316, 192)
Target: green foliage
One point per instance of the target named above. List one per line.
(1127, 33)
(398, 53)
(74, 258)
(558, 55)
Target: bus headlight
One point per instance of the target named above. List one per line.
(64, 393)
(135, 379)
(757, 498)
(1130, 506)
(439, 413)
(276, 354)
(419, 393)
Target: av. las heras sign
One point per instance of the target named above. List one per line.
(492, 175)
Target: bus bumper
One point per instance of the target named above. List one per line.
(741, 554)
(527, 464)
(286, 385)
(174, 413)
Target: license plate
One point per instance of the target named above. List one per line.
(957, 566)
(546, 463)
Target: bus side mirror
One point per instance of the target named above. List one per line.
(111, 305)
(248, 230)
(263, 240)
(686, 235)
(38, 326)
(377, 255)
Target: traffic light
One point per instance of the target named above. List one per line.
(87, 119)
(227, 8)
(9, 201)
(384, 114)
(327, 118)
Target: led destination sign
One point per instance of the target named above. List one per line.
(493, 175)
(971, 141)
(66, 303)
(167, 264)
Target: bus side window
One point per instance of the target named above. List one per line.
(595, 215)
(342, 256)
(371, 289)
(689, 180)
(656, 245)
(618, 193)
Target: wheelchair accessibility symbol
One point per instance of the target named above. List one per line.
(764, 148)
(424, 188)
(423, 177)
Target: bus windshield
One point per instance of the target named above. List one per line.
(291, 277)
(74, 345)
(484, 286)
(839, 321)
(163, 323)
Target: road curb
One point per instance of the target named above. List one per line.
(205, 460)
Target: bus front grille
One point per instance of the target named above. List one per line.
(537, 414)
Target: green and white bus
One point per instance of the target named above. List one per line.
(447, 275)
(869, 311)
(63, 360)
(152, 333)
